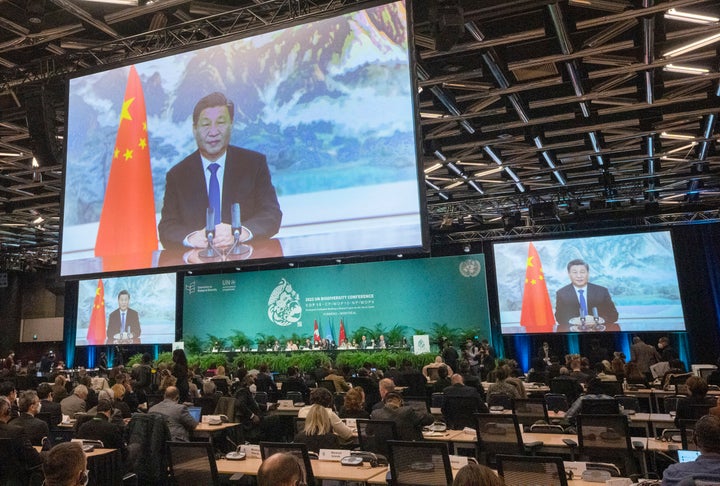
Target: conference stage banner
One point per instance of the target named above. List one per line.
(415, 293)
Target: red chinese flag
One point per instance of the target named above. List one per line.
(342, 332)
(96, 329)
(537, 314)
(127, 235)
(316, 333)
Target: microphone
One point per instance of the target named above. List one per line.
(582, 317)
(235, 219)
(209, 252)
(236, 225)
(596, 317)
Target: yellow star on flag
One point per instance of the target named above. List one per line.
(142, 143)
(128, 154)
(125, 113)
(530, 262)
(116, 154)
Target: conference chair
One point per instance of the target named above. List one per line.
(221, 385)
(14, 469)
(530, 410)
(226, 406)
(628, 403)
(599, 406)
(687, 433)
(415, 463)
(298, 424)
(458, 412)
(563, 386)
(373, 435)
(192, 463)
(606, 437)
(497, 434)
(499, 400)
(556, 402)
(300, 451)
(339, 400)
(328, 385)
(437, 399)
(525, 470)
(148, 435)
(261, 398)
(153, 399)
(295, 396)
(419, 404)
(206, 403)
(670, 403)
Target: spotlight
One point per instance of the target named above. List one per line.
(466, 248)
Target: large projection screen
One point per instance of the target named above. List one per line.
(149, 308)
(629, 284)
(417, 294)
(324, 113)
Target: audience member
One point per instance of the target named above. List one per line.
(264, 381)
(281, 470)
(295, 383)
(75, 403)
(501, 384)
(177, 415)
(354, 404)
(408, 421)
(707, 439)
(100, 428)
(29, 406)
(20, 443)
(477, 475)
(459, 389)
(181, 371)
(340, 384)
(643, 354)
(697, 403)
(450, 355)
(435, 365)
(65, 465)
(321, 396)
(443, 380)
(8, 391)
(47, 405)
(118, 400)
(633, 375)
(667, 352)
(594, 390)
(318, 431)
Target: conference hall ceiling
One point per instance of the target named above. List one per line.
(535, 116)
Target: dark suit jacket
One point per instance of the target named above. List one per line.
(35, 429)
(567, 305)
(408, 422)
(246, 181)
(100, 428)
(21, 445)
(53, 408)
(178, 418)
(132, 321)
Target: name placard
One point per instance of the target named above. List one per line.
(285, 404)
(333, 454)
(456, 462)
(251, 451)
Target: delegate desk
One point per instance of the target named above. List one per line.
(320, 469)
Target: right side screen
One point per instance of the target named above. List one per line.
(612, 283)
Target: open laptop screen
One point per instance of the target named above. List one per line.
(687, 456)
(196, 413)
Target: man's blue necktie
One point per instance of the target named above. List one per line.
(122, 322)
(214, 192)
(583, 304)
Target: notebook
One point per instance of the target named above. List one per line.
(687, 456)
(196, 413)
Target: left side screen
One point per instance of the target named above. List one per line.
(126, 310)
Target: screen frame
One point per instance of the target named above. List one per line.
(422, 248)
(493, 288)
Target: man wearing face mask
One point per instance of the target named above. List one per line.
(35, 429)
(66, 465)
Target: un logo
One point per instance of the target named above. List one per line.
(284, 305)
(470, 268)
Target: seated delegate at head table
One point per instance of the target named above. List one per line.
(217, 175)
(580, 298)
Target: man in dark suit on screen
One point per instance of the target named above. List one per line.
(217, 175)
(124, 320)
(581, 297)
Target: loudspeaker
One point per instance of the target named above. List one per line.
(40, 110)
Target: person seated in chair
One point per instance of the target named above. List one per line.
(322, 396)
(66, 465)
(281, 470)
(707, 439)
(594, 390)
(697, 403)
(35, 429)
(408, 421)
(318, 432)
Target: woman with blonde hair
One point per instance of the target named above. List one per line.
(354, 404)
(318, 431)
(117, 402)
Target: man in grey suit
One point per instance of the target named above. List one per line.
(35, 429)
(177, 415)
(76, 402)
(643, 354)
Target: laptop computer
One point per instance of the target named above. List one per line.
(687, 456)
(196, 413)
